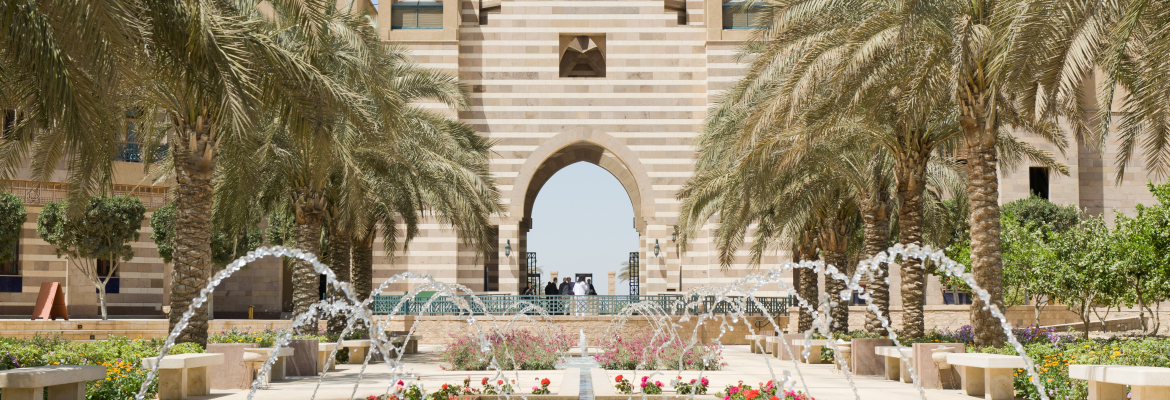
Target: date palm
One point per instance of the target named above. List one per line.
(383, 170)
(895, 63)
(199, 69)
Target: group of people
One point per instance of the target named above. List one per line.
(582, 287)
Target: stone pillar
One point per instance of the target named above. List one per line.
(510, 279)
(612, 275)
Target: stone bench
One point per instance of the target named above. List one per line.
(814, 350)
(754, 343)
(357, 350)
(65, 382)
(1107, 382)
(990, 376)
(277, 373)
(323, 352)
(183, 375)
(895, 367)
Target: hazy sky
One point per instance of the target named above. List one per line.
(583, 222)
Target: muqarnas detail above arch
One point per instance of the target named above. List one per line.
(582, 56)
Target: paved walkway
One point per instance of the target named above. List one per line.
(822, 381)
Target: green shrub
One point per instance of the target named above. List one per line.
(263, 338)
(121, 356)
(1052, 361)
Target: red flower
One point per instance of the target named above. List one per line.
(618, 379)
(774, 398)
(751, 394)
(444, 386)
(484, 382)
(545, 381)
(500, 382)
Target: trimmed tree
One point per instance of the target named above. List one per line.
(225, 247)
(12, 217)
(101, 230)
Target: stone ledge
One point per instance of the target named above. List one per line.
(36, 377)
(988, 361)
(182, 361)
(1121, 374)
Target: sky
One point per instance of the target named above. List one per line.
(583, 222)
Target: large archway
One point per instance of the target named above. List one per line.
(570, 147)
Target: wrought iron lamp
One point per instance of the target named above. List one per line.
(508, 248)
(656, 249)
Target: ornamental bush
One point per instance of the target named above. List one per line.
(121, 356)
(642, 348)
(1052, 361)
(12, 217)
(263, 337)
(518, 349)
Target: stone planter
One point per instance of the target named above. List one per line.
(233, 373)
(928, 373)
(781, 353)
(304, 359)
(865, 361)
(603, 390)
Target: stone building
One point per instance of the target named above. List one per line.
(624, 85)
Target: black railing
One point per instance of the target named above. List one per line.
(593, 305)
(132, 152)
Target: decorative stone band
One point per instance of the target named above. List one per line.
(1107, 382)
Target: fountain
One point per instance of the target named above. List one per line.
(665, 324)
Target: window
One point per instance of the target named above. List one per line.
(103, 269)
(416, 14)
(737, 16)
(678, 7)
(1038, 182)
(583, 56)
(10, 279)
(491, 266)
(9, 122)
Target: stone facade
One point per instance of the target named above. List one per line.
(637, 120)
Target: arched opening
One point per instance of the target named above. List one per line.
(582, 225)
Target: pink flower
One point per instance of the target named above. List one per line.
(733, 390)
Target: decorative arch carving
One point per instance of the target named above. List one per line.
(578, 145)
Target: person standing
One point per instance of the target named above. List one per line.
(566, 289)
(592, 290)
(580, 289)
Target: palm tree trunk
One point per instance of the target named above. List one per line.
(876, 216)
(911, 174)
(310, 205)
(809, 288)
(983, 198)
(834, 242)
(339, 261)
(194, 153)
(363, 264)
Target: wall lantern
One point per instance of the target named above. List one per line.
(508, 248)
(656, 249)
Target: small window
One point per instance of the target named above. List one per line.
(103, 269)
(8, 123)
(1038, 182)
(10, 279)
(416, 14)
(677, 7)
(12, 267)
(485, 13)
(737, 16)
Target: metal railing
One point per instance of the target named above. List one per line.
(132, 152)
(592, 305)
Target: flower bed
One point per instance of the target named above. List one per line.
(765, 391)
(452, 391)
(264, 338)
(642, 348)
(511, 350)
(121, 356)
(1052, 361)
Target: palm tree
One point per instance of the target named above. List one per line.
(200, 68)
(885, 62)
